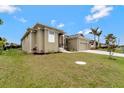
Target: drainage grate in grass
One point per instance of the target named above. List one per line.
(80, 63)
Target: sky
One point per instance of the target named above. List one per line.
(72, 19)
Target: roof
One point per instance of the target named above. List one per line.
(77, 36)
(26, 33)
(40, 25)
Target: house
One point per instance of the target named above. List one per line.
(77, 43)
(44, 39)
(93, 44)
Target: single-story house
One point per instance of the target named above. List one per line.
(44, 39)
(77, 43)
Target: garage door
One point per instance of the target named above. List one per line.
(83, 46)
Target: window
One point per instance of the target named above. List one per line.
(51, 36)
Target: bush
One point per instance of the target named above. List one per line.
(1, 46)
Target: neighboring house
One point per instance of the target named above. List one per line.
(121, 47)
(103, 45)
(45, 39)
(92, 44)
(77, 43)
(42, 39)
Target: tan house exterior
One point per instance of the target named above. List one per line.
(77, 43)
(42, 39)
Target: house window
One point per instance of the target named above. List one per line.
(51, 36)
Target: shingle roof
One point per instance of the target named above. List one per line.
(38, 24)
(77, 36)
(42, 25)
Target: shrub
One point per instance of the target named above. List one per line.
(1, 46)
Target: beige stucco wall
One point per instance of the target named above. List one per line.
(48, 46)
(23, 44)
(26, 44)
(72, 44)
(39, 39)
(33, 40)
(78, 44)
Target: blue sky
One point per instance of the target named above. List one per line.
(71, 19)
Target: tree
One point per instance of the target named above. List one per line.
(1, 46)
(94, 32)
(1, 21)
(99, 34)
(1, 42)
(110, 41)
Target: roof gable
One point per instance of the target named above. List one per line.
(39, 26)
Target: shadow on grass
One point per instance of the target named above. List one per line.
(112, 58)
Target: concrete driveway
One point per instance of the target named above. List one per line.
(102, 52)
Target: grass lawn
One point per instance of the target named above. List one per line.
(117, 50)
(59, 70)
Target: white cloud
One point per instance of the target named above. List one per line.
(8, 9)
(84, 32)
(80, 32)
(53, 22)
(98, 12)
(21, 19)
(60, 25)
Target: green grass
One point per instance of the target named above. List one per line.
(18, 69)
(117, 50)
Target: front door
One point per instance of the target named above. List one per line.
(60, 40)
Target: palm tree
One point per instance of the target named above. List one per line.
(94, 32)
(1, 21)
(99, 34)
(110, 41)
